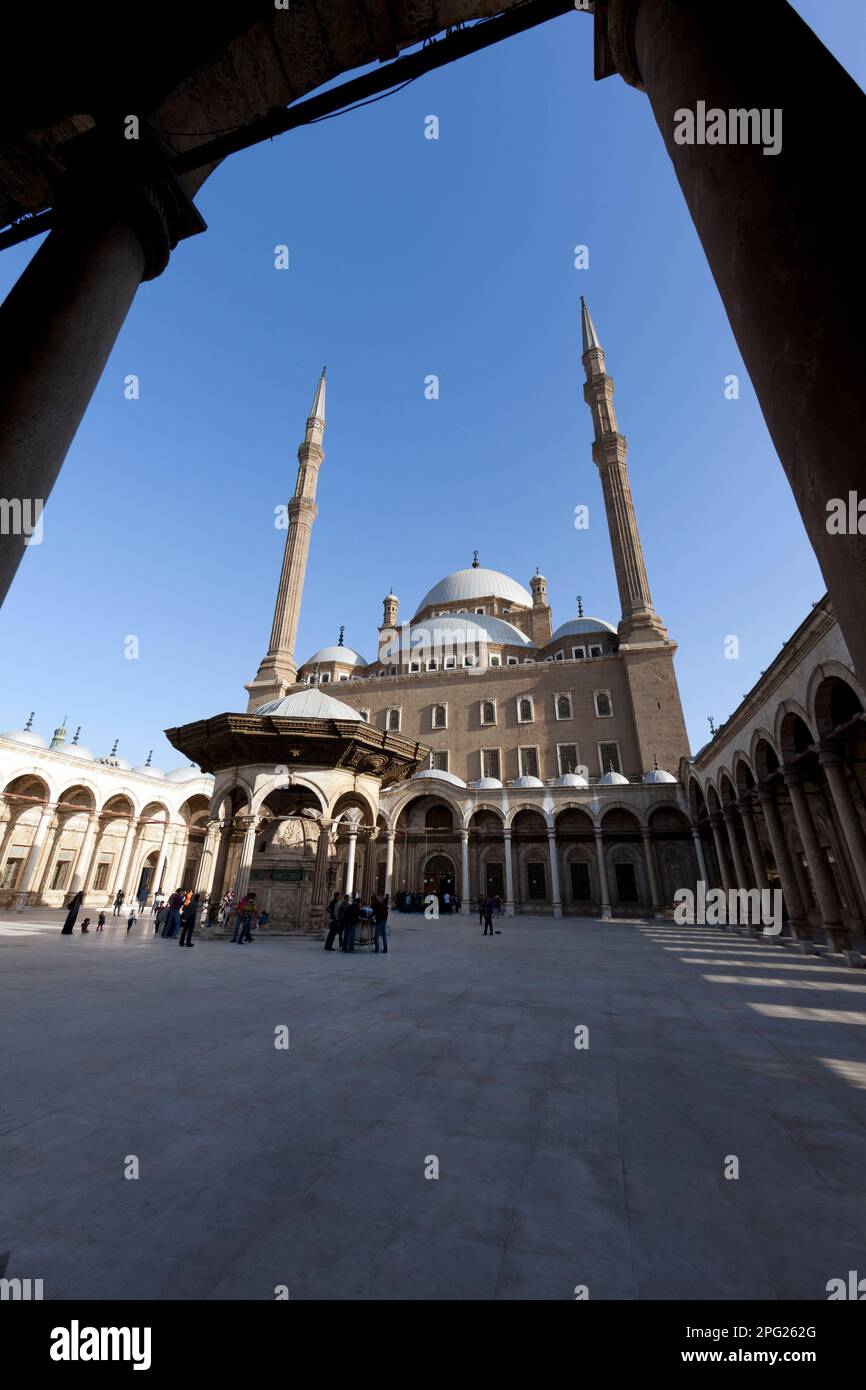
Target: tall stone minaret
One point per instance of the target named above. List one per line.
(278, 669)
(639, 623)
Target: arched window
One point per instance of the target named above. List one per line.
(393, 722)
(603, 705)
(563, 706)
(488, 711)
(524, 711)
(440, 716)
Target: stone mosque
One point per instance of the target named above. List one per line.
(482, 750)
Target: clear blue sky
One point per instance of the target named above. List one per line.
(411, 257)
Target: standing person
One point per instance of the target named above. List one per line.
(380, 917)
(488, 916)
(481, 901)
(333, 922)
(341, 918)
(239, 919)
(350, 922)
(156, 904)
(100, 921)
(172, 921)
(132, 920)
(249, 912)
(187, 917)
(142, 899)
(71, 914)
(497, 903)
(85, 926)
(118, 903)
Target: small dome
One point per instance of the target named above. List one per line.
(454, 631)
(182, 774)
(487, 784)
(571, 779)
(613, 779)
(77, 750)
(147, 771)
(658, 774)
(27, 736)
(439, 775)
(342, 655)
(311, 703)
(527, 782)
(580, 627)
(112, 760)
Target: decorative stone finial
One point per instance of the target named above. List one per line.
(75, 739)
(340, 639)
(148, 758)
(29, 725)
(475, 559)
(580, 605)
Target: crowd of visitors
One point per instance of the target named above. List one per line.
(347, 913)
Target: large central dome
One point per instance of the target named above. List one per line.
(476, 583)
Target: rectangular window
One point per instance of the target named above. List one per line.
(414, 666)
(344, 678)
(512, 660)
(101, 877)
(439, 760)
(560, 656)
(496, 661)
(567, 755)
(450, 663)
(432, 665)
(469, 661)
(595, 651)
(608, 757)
(490, 763)
(578, 653)
(580, 889)
(61, 873)
(440, 717)
(11, 870)
(311, 680)
(479, 610)
(536, 883)
(325, 677)
(528, 762)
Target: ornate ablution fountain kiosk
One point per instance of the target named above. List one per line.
(293, 817)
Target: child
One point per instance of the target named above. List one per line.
(100, 923)
(132, 919)
(85, 925)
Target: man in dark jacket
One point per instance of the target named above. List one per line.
(172, 921)
(380, 917)
(350, 922)
(333, 922)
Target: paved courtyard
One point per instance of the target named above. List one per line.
(305, 1167)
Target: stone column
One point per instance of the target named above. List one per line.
(716, 827)
(555, 893)
(740, 870)
(369, 879)
(118, 217)
(602, 874)
(649, 855)
(465, 893)
(825, 888)
(831, 761)
(699, 852)
(123, 862)
(45, 818)
(246, 861)
(389, 861)
(509, 873)
(797, 920)
(756, 853)
(81, 872)
(217, 888)
(350, 861)
(787, 293)
(160, 863)
(175, 853)
(318, 889)
(206, 865)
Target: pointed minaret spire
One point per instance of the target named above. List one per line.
(639, 624)
(590, 337)
(29, 725)
(59, 738)
(279, 669)
(74, 743)
(148, 758)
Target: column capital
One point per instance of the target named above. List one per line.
(131, 180)
(792, 777)
(391, 833)
(614, 41)
(597, 831)
(464, 835)
(829, 754)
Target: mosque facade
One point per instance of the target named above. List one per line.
(478, 749)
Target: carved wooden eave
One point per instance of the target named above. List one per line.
(244, 740)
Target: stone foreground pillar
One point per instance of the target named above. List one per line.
(509, 874)
(45, 817)
(350, 860)
(831, 761)
(786, 256)
(81, 872)
(825, 888)
(602, 874)
(716, 827)
(464, 871)
(555, 893)
(389, 861)
(699, 852)
(797, 920)
(649, 855)
(756, 853)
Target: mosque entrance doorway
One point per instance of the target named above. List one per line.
(439, 875)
